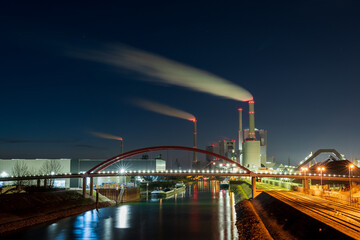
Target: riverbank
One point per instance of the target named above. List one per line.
(266, 217)
(27, 209)
(248, 222)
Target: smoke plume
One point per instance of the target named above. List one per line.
(106, 136)
(163, 70)
(163, 109)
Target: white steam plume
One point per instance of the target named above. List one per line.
(107, 136)
(163, 109)
(167, 71)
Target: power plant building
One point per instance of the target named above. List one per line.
(251, 146)
(261, 136)
(251, 155)
(226, 148)
(251, 149)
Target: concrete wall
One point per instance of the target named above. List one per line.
(279, 183)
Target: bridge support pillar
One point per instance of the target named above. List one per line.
(38, 183)
(305, 184)
(84, 187)
(91, 186)
(253, 186)
(45, 183)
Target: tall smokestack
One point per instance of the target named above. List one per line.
(122, 145)
(240, 137)
(251, 120)
(195, 143)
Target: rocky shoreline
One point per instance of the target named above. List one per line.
(248, 223)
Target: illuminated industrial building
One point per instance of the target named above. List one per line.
(36, 166)
(226, 148)
(251, 149)
(261, 136)
(251, 146)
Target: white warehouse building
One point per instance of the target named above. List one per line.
(75, 166)
(36, 166)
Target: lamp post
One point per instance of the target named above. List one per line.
(321, 169)
(304, 169)
(351, 166)
(147, 191)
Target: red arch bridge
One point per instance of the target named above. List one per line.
(240, 171)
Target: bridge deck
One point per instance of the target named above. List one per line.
(186, 173)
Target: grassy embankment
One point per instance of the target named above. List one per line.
(248, 222)
(28, 208)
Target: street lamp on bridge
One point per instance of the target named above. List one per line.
(321, 169)
(351, 166)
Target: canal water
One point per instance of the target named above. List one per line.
(203, 211)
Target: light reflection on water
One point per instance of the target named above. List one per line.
(122, 215)
(202, 212)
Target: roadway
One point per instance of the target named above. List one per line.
(340, 216)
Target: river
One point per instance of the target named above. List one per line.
(203, 211)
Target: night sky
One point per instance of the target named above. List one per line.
(299, 59)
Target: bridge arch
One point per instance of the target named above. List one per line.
(122, 156)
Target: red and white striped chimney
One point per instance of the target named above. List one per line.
(251, 120)
(240, 137)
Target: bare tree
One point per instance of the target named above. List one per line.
(20, 169)
(50, 167)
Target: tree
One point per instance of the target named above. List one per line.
(50, 168)
(20, 169)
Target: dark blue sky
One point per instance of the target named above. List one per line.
(300, 60)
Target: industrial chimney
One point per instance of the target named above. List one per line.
(195, 142)
(251, 152)
(122, 145)
(240, 137)
(251, 120)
